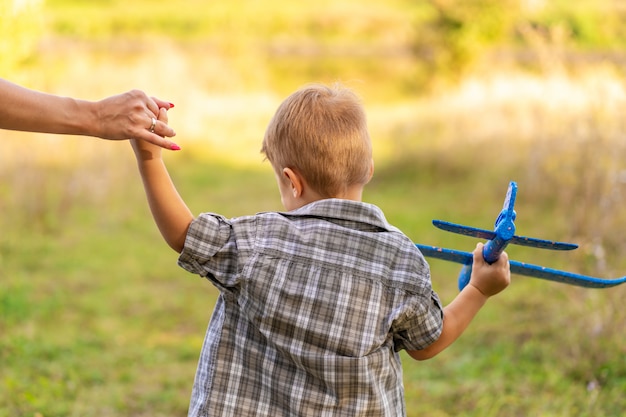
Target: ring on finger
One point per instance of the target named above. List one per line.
(153, 125)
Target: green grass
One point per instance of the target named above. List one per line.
(98, 320)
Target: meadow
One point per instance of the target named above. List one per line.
(96, 319)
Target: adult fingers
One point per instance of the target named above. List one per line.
(157, 132)
(161, 104)
(161, 128)
(154, 105)
(156, 139)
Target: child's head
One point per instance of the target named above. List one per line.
(321, 133)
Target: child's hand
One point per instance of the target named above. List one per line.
(123, 116)
(490, 279)
(145, 150)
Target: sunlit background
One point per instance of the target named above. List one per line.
(462, 97)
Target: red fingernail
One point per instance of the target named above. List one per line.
(171, 105)
(175, 147)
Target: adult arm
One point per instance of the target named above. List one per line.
(486, 280)
(123, 116)
(169, 211)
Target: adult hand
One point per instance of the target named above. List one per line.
(131, 115)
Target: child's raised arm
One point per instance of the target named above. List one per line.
(170, 212)
(486, 280)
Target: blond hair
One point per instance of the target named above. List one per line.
(321, 132)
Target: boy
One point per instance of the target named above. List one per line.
(315, 302)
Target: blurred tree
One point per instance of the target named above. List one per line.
(593, 24)
(453, 34)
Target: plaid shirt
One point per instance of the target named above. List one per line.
(314, 305)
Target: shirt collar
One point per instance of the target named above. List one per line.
(340, 209)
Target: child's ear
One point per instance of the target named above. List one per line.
(295, 180)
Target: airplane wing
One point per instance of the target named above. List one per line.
(541, 243)
(489, 235)
(522, 268)
(464, 230)
(460, 257)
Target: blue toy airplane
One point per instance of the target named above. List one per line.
(499, 238)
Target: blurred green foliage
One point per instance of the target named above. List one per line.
(443, 39)
(418, 44)
(451, 35)
(590, 24)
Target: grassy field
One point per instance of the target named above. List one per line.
(96, 319)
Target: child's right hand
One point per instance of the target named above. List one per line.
(145, 150)
(490, 279)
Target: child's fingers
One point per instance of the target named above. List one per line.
(478, 253)
(163, 115)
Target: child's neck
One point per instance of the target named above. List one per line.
(353, 193)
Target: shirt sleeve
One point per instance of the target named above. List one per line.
(421, 323)
(211, 250)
